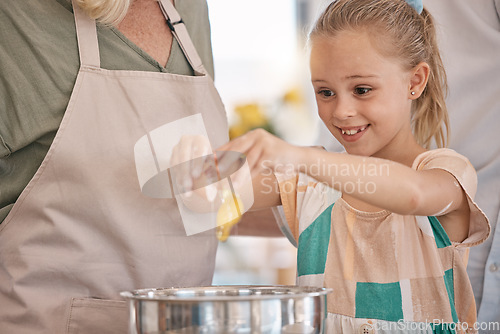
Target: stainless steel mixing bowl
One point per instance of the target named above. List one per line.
(227, 309)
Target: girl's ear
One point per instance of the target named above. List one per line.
(418, 80)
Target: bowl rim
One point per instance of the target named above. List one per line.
(187, 294)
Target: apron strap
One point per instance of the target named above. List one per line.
(86, 33)
(181, 34)
(88, 46)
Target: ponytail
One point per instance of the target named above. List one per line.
(429, 112)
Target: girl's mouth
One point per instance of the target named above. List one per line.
(353, 133)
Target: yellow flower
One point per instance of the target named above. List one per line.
(250, 116)
(293, 96)
(237, 130)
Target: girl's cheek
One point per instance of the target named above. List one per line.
(323, 114)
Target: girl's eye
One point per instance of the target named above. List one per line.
(362, 90)
(326, 93)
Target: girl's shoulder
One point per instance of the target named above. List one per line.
(445, 156)
(453, 162)
(460, 167)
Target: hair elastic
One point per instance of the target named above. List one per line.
(416, 4)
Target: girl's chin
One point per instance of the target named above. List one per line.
(362, 151)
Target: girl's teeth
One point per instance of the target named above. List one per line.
(352, 132)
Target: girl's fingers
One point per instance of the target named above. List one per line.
(263, 150)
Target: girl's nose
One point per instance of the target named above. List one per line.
(344, 109)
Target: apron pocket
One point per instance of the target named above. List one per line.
(91, 316)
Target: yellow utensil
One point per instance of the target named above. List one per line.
(228, 215)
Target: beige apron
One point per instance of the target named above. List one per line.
(82, 230)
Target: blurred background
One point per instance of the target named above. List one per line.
(261, 73)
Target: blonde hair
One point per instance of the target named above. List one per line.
(411, 39)
(108, 12)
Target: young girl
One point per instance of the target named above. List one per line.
(388, 224)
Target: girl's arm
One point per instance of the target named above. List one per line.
(386, 184)
(378, 182)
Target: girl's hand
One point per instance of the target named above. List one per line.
(265, 152)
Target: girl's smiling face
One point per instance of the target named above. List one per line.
(363, 97)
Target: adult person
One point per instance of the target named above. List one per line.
(76, 98)
(469, 36)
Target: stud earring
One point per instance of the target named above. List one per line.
(412, 93)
